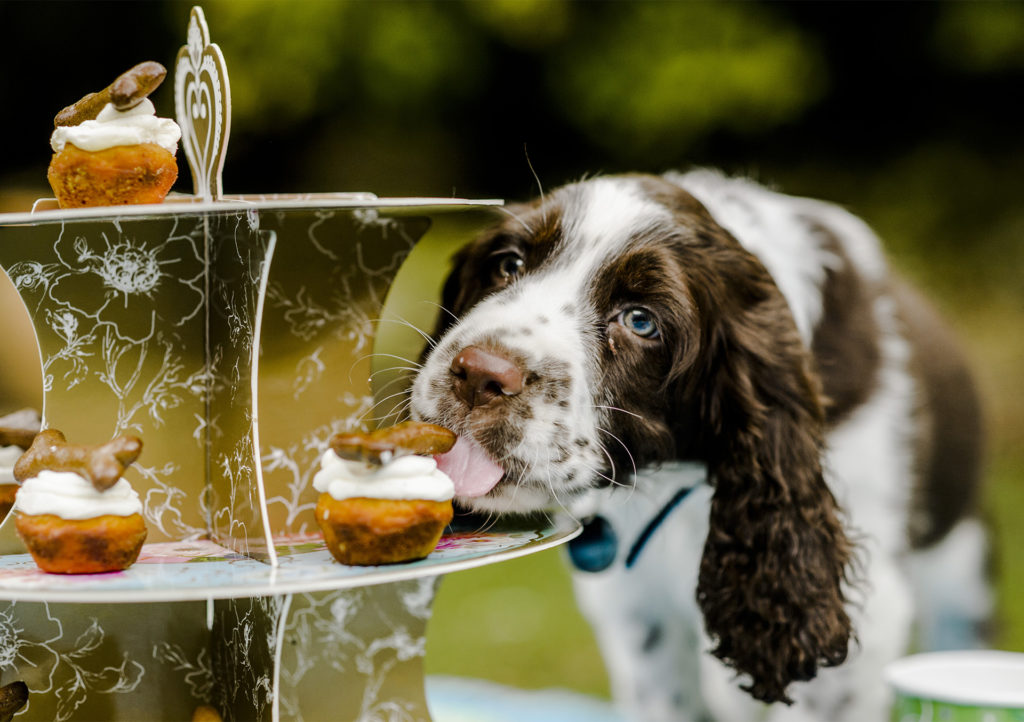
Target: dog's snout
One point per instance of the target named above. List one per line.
(480, 376)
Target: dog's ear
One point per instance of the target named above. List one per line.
(470, 276)
(460, 285)
(775, 562)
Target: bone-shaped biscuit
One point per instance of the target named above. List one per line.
(409, 437)
(102, 465)
(16, 437)
(130, 89)
(19, 428)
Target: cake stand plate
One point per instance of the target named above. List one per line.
(202, 569)
(310, 639)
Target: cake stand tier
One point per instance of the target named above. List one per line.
(201, 570)
(235, 337)
(169, 322)
(194, 623)
(46, 209)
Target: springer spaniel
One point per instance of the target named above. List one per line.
(773, 442)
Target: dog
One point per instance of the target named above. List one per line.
(774, 443)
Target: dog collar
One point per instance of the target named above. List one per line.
(596, 547)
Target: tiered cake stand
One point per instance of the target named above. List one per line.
(235, 337)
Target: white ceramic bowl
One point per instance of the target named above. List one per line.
(963, 686)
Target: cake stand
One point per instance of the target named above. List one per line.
(194, 623)
(235, 336)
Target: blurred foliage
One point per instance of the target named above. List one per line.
(281, 56)
(417, 97)
(656, 77)
(981, 36)
(529, 25)
(289, 61)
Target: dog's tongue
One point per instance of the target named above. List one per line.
(471, 469)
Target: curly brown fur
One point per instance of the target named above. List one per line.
(776, 558)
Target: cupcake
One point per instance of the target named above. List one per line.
(111, 149)
(75, 512)
(382, 498)
(16, 433)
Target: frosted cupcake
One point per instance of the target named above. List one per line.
(110, 148)
(74, 518)
(387, 504)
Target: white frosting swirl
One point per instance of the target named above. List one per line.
(113, 127)
(70, 496)
(9, 456)
(404, 477)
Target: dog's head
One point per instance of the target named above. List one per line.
(615, 324)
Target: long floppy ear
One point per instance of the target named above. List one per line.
(776, 557)
(458, 287)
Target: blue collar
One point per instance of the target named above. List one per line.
(596, 547)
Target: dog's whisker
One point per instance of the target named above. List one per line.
(442, 308)
(601, 475)
(400, 380)
(396, 411)
(529, 469)
(389, 419)
(403, 322)
(397, 394)
(484, 524)
(490, 522)
(396, 357)
(616, 408)
(527, 473)
(516, 218)
(381, 410)
(624, 447)
(554, 492)
(540, 186)
(364, 357)
(393, 369)
(611, 461)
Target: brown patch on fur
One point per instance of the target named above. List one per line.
(635, 369)
(530, 231)
(950, 440)
(776, 558)
(845, 343)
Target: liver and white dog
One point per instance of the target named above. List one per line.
(774, 443)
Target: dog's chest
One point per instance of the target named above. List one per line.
(642, 547)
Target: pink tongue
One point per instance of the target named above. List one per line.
(470, 468)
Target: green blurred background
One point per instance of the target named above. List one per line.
(903, 112)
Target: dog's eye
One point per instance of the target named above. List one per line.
(507, 266)
(640, 321)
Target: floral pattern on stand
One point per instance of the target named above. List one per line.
(154, 326)
(118, 311)
(320, 319)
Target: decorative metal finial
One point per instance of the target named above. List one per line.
(202, 102)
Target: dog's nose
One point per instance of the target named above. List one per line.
(481, 376)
